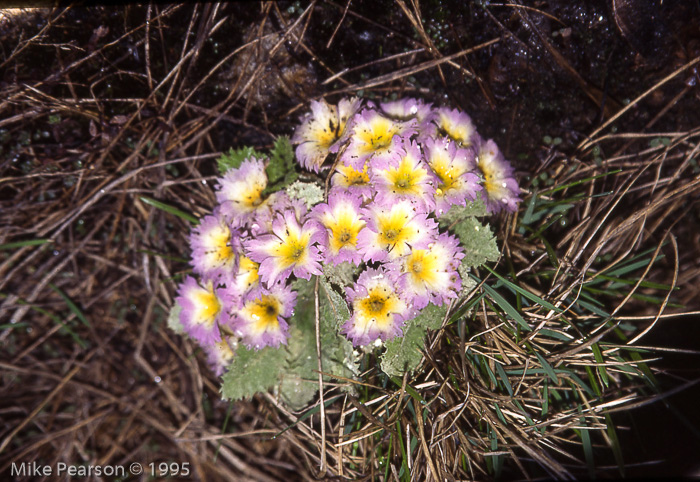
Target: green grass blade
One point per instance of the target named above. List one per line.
(547, 368)
(83, 344)
(598, 354)
(71, 305)
(410, 390)
(587, 446)
(10, 326)
(504, 305)
(579, 182)
(504, 378)
(170, 209)
(545, 398)
(524, 292)
(22, 244)
(617, 450)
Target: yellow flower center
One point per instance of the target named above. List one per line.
(293, 250)
(328, 132)
(459, 133)
(352, 177)
(208, 306)
(252, 197)
(490, 179)
(394, 229)
(447, 174)
(221, 244)
(247, 272)
(422, 267)
(344, 228)
(377, 308)
(377, 135)
(404, 179)
(264, 313)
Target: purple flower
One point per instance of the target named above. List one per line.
(261, 321)
(405, 177)
(240, 191)
(392, 231)
(203, 310)
(349, 179)
(408, 109)
(290, 249)
(457, 126)
(453, 168)
(324, 131)
(244, 280)
(215, 248)
(374, 135)
(378, 311)
(220, 355)
(500, 187)
(342, 224)
(430, 274)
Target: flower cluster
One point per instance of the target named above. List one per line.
(394, 170)
(398, 167)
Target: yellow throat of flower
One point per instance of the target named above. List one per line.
(208, 306)
(377, 307)
(294, 250)
(344, 230)
(264, 313)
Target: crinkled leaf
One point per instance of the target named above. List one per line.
(338, 354)
(298, 380)
(234, 158)
(252, 371)
(309, 192)
(281, 168)
(174, 319)
(458, 213)
(281, 159)
(478, 242)
(404, 353)
(341, 274)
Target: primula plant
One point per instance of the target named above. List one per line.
(372, 245)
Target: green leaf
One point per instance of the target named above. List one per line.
(458, 213)
(252, 371)
(404, 353)
(524, 292)
(505, 306)
(71, 305)
(334, 312)
(281, 159)
(169, 209)
(547, 368)
(478, 242)
(309, 192)
(174, 319)
(341, 274)
(280, 170)
(300, 376)
(504, 378)
(234, 158)
(299, 379)
(21, 244)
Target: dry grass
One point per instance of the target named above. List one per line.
(127, 108)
